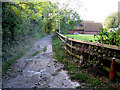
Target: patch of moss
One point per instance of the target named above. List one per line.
(45, 49)
(35, 53)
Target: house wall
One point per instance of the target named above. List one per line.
(89, 27)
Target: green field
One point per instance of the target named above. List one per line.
(81, 37)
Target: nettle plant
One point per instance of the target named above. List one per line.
(107, 37)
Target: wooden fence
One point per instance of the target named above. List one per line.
(105, 53)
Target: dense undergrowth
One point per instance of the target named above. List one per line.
(85, 77)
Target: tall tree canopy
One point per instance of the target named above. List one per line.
(24, 19)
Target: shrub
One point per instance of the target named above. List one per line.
(106, 37)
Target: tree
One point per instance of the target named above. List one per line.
(21, 20)
(111, 21)
(68, 19)
(25, 19)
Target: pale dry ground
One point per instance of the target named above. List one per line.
(40, 71)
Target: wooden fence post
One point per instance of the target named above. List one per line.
(89, 52)
(66, 39)
(71, 47)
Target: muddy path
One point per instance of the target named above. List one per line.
(38, 69)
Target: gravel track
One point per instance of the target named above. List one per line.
(39, 71)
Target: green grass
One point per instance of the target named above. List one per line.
(79, 76)
(82, 37)
(45, 49)
(92, 82)
(56, 48)
(35, 53)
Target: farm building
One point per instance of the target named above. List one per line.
(88, 27)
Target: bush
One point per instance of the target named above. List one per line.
(106, 37)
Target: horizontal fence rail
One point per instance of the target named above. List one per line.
(106, 53)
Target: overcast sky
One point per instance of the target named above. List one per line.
(96, 10)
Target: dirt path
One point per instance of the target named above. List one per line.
(38, 71)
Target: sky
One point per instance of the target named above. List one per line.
(95, 10)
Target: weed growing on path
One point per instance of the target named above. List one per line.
(35, 53)
(45, 49)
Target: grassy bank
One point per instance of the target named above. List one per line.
(70, 64)
(76, 73)
(19, 51)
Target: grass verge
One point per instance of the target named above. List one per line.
(71, 65)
